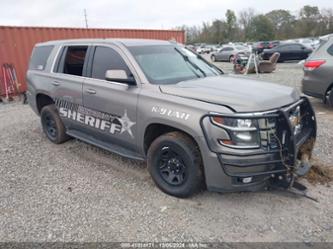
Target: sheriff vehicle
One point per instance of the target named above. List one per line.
(158, 101)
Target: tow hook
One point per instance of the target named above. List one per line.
(288, 182)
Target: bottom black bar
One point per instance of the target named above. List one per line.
(102, 245)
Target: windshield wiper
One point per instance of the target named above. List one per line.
(187, 59)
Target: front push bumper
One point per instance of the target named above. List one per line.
(280, 155)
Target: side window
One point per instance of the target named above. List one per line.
(106, 58)
(295, 47)
(39, 57)
(285, 48)
(330, 50)
(226, 49)
(72, 60)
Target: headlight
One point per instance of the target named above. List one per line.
(243, 133)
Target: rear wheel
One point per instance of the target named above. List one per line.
(329, 97)
(174, 163)
(52, 125)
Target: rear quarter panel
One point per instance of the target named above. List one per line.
(39, 81)
(319, 80)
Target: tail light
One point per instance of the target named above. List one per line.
(314, 64)
(270, 45)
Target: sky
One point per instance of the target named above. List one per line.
(149, 14)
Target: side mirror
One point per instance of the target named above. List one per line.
(119, 76)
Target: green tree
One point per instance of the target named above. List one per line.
(260, 29)
(309, 12)
(283, 23)
(276, 24)
(307, 24)
(218, 30)
(245, 18)
(231, 28)
(327, 21)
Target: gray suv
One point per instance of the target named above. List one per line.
(318, 72)
(160, 102)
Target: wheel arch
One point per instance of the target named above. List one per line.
(156, 129)
(328, 89)
(42, 100)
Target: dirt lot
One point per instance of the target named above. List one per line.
(77, 192)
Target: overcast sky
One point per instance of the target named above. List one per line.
(154, 14)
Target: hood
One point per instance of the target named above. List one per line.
(238, 93)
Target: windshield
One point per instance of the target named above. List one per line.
(168, 64)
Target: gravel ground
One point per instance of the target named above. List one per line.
(77, 192)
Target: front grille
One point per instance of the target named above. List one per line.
(292, 121)
(280, 144)
(267, 129)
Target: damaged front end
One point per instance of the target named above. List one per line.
(272, 147)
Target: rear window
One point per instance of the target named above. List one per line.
(322, 42)
(39, 57)
(330, 50)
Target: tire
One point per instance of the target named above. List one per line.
(329, 98)
(231, 58)
(52, 125)
(174, 163)
(213, 58)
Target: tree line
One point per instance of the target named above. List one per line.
(248, 25)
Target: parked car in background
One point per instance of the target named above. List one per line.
(204, 49)
(274, 44)
(288, 51)
(227, 53)
(315, 43)
(211, 48)
(289, 41)
(307, 42)
(261, 45)
(318, 72)
(191, 47)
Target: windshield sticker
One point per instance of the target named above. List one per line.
(114, 124)
(170, 113)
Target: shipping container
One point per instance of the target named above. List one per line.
(16, 43)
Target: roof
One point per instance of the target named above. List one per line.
(125, 42)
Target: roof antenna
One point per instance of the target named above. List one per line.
(85, 18)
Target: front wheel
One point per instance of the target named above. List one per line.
(213, 58)
(174, 163)
(231, 59)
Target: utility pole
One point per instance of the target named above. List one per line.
(86, 18)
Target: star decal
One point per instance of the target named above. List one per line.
(126, 124)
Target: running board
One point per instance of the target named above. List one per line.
(106, 146)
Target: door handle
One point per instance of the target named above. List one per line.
(91, 91)
(56, 83)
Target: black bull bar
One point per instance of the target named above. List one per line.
(292, 154)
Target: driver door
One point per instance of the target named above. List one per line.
(112, 104)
